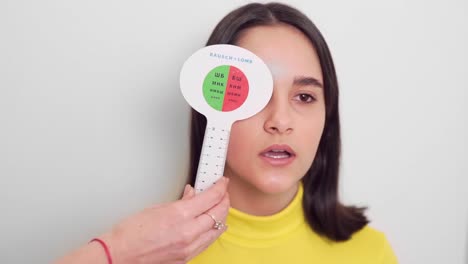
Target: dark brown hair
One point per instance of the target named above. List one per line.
(323, 210)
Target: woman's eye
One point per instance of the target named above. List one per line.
(305, 98)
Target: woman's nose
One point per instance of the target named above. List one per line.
(278, 116)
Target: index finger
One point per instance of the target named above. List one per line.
(204, 201)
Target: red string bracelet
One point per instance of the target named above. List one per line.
(106, 249)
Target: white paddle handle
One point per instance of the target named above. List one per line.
(212, 157)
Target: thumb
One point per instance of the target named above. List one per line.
(188, 192)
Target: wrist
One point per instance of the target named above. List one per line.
(114, 246)
(96, 253)
(104, 248)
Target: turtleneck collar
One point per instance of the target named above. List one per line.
(263, 231)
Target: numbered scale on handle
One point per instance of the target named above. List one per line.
(212, 157)
(225, 83)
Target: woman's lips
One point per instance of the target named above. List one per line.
(278, 155)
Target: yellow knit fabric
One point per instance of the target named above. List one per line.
(287, 238)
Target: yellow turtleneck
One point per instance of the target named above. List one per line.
(286, 237)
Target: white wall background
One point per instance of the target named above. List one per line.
(93, 126)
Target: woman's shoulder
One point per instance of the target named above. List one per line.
(369, 234)
(373, 241)
(368, 237)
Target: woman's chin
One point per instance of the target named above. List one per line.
(275, 185)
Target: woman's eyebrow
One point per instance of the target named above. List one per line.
(307, 80)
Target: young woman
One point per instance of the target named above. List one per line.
(281, 203)
(283, 162)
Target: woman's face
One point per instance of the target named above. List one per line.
(271, 151)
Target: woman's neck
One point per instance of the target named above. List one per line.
(250, 200)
